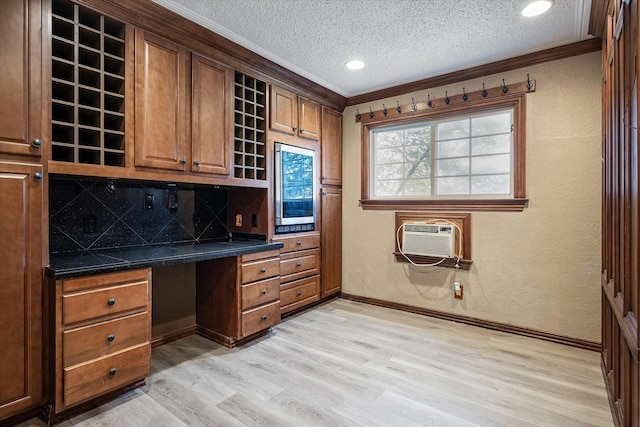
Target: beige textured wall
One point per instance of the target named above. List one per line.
(536, 269)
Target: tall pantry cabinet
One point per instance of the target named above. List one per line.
(22, 189)
(616, 22)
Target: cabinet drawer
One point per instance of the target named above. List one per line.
(109, 279)
(303, 290)
(103, 302)
(100, 339)
(258, 293)
(260, 318)
(304, 263)
(88, 380)
(262, 269)
(299, 242)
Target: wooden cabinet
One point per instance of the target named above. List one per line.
(294, 115)
(238, 297)
(101, 335)
(211, 116)
(331, 241)
(331, 147)
(21, 82)
(160, 90)
(299, 270)
(21, 187)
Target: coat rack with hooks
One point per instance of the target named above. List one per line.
(447, 102)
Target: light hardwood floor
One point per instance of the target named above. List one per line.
(349, 364)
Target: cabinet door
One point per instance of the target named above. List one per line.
(331, 245)
(20, 287)
(309, 118)
(212, 110)
(331, 147)
(20, 85)
(283, 114)
(160, 120)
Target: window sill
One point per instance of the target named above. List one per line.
(512, 205)
(465, 264)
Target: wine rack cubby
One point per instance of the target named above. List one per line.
(249, 152)
(87, 86)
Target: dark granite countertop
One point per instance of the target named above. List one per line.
(67, 265)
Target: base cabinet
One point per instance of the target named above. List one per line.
(102, 335)
(238, 297)
(21, 348)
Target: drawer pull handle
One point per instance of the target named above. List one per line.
(263, 270)
(111, 337)
(299, 293)
(298, 264)
(264, 317)
(113, 372)
(299, 242)
(264, 292)
(111, 302)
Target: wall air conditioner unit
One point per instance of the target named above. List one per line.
(437, 240)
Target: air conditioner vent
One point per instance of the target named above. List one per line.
(436, 240)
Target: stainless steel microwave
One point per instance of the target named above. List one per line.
(295, 189)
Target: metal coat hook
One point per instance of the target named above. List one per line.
(529, 84)
(505, 89)
(370, 113)
(399, 107)
(414, 106)
(446, 97)
(429, 101)
(464, 95)
(384, 109)
(484, 91)
(358, 115)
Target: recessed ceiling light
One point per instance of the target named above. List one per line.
(354, 65)
(537, 7)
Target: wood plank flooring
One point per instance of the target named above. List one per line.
(345, 363)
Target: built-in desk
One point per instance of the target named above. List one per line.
(99, 307)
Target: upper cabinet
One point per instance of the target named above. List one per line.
(293, 114)
(211, 116)
(331, 147)
(21, 82)
(160, 118)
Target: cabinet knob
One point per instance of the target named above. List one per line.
(36, 142)
(183, 161)
(111, 337)
(111, 301)
(299, 293)
(298, 264)
(264, 292)
(299, 243)
(264, 317)
(294, 128)
(263, 270)
(37, 176)
(197, 162)
(113, 372)
(301, 130)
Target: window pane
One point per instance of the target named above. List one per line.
(389, 155)
(451, 167)
(414, 153)
(388, 188)
(418, 170)
(417, 187)
(495, 123)
(390, 171)
(453, 129)
(388, 138)
(449, 186)
(454, 148)
(495, 144)
(491, 164)
(490, 184)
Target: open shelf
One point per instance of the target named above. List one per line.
(88, 63)
(249, 128)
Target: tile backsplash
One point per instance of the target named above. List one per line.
(96, 213)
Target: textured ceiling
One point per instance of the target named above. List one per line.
(399, 40)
